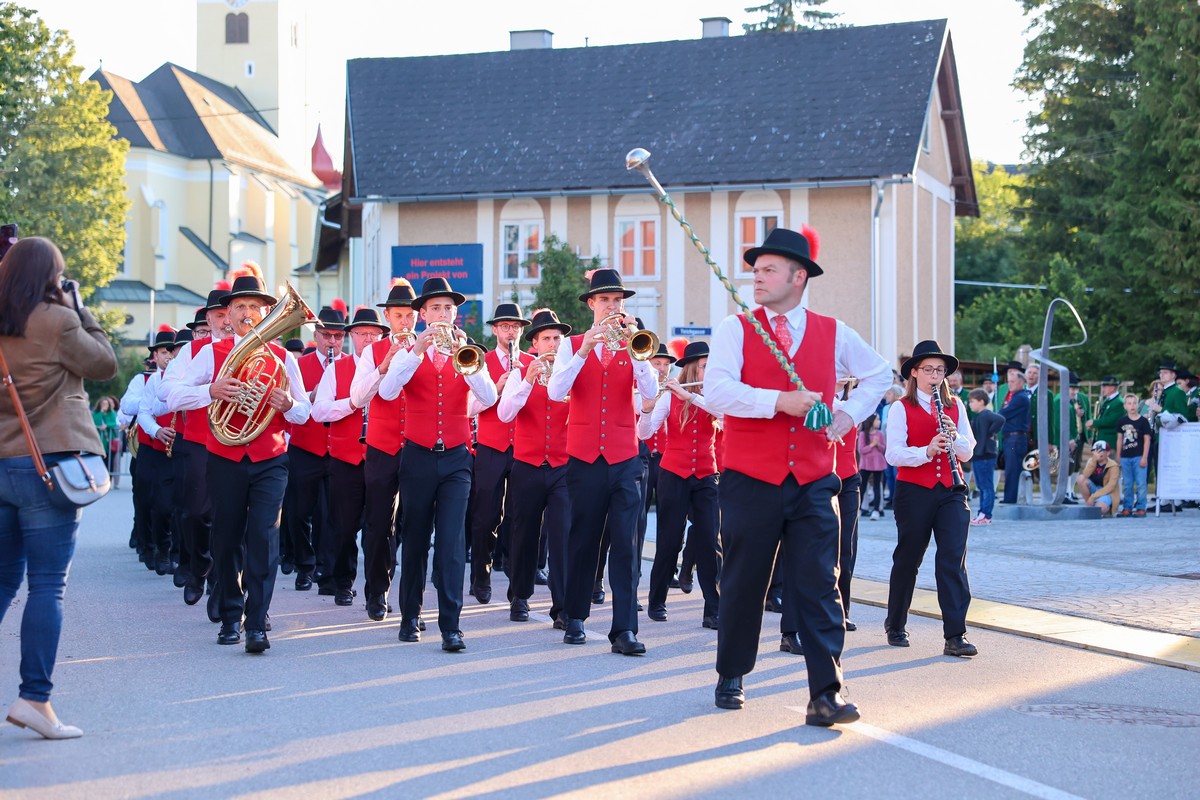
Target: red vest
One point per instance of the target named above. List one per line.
(385, 418)
(490, 431)
(658, 442)
(195, 422)
(771, 449)
(601, 422)
(437, 406)
(847, 455)
(312, 436)
(344, 434)
(541, 426)
(690, 448)
(922, 427)
(271, 442)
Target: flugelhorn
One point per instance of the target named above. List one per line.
(404, 337)
(251, 361)
(617, 336)
(467, 358)
(547, 362)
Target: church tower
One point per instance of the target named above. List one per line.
(258, 46)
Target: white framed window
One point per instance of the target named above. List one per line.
(636, 248)
(518, 241)
(751, 230)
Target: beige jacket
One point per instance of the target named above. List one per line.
(49, 363)
(1112, 475)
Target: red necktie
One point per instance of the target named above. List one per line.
(783, 335)
(606, 357)
(439, 360)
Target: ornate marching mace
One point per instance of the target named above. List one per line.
(819, 416)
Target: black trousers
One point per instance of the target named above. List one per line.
(947, 516)
(643, 458)
(539, 503)
(849, 501)
(347, 501)
(434, 487)
(247, 503)
(677, 499)
(156, 485)
(181, 458)
(191, 475)
(492, 470)
(800, 522)
(381, 533)
(604, 494)
(305, 507)
(1014, 453)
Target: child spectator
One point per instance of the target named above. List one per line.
(985, 425)
(871, 460)
(1135, 434)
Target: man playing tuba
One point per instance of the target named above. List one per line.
(254, 390)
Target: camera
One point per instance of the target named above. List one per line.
(8, 237)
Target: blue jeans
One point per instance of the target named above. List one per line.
(1133, 474)
(39, 539)
(985, 479)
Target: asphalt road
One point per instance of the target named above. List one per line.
(338, 708)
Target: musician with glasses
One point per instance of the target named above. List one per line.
(435, 469)
(919, 443)
(778, 486)
(604, 473)
(494, 451)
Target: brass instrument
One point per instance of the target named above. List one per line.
(1031, 462)
(131, 440)
(547, 362)
(617, 336)
(960, 483)
(259, 370)
(467, 358)
(171, 444)
(662, 385)
(404, 338)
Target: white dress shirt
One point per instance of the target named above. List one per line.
(900, 453)
(851, 355)
(149, 406)
(567, 366)
(473, 404)
(404, 366)
(366, 377)
(130, 401)
(327, 406)
(513, 398)
(193, 387)
(648, 424)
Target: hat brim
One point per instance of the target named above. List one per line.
(626, 293)
(383, 326)
(950, 361)
(395, 304)
(336, 327)
(811, 266)
(519, 320)
(561, 327)
(420, 301)
(229, 298)
(669, 357)
(688, 359)
(169, 345)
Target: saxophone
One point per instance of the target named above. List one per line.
(239, 422)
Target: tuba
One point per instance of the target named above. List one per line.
(239, 422)
(617, 336)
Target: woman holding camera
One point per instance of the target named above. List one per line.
(51, 344)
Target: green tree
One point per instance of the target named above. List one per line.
(791, 15)
(985, 247)
(62, 169)
(561, 281)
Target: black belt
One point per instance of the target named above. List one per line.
(440, 447)
(1015, 433)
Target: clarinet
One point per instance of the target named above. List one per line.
(960, 484)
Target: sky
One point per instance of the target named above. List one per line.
(132, 38)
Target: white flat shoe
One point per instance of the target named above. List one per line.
(23, 715)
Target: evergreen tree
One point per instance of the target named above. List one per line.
(62, 171)
(791, 15)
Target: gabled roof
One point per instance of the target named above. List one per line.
(129, 291)
(846, 103)
(177, 111)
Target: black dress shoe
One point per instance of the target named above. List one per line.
(303, 581)
(627, 644)
(541, 578)
(344, 597)
(162, 566)
(192, 593)
(709, 622)
(482, 593)
(256, 642)
(959, 646)
(790, 643)
(774, 604)
(327, 589)
(409, 632)
(179, 578)
(897, 638)
(377, 607)
(214, 607)
(229, 634)
(420, 621)
(598, 595)
(850, 626)
(685, 583)
(453, 642)
(518, 610)
(829, 709)
(574, 633)
(560, 622)
(287, 567)
(674, 584)
(657, 613)
(730, 694)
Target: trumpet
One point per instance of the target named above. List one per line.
(467, 358)
(547, 362)
(617, 335)
(404, 338)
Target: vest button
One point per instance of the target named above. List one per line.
(792, 430)
(791, 463)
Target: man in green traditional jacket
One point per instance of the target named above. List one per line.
(1172, 406)
(1112, 408)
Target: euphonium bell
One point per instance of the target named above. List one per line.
(642, 345)
(467, 358)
